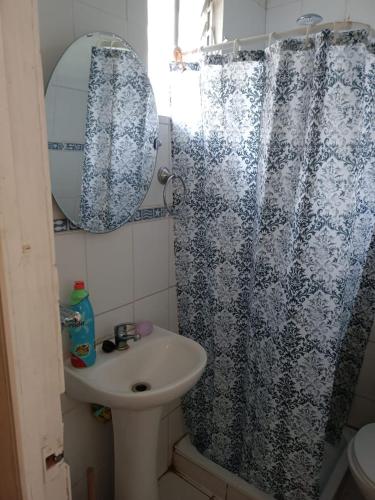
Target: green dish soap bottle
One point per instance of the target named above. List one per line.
(82, 338)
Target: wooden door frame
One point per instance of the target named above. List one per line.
(9, 462)
(31, 370)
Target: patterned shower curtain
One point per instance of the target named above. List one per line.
(120, 119)
(274, 249)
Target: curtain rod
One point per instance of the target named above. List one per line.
(335, 26)
(176, 22)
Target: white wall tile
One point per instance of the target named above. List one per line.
(114, 7)
(362, 10)
(153, 308)
(87, 19)
(56, 31)
(165, 119)
(67, 403)
(213, 485)
(65, 342)
(105, 323)
(334, 10)
(172, 487)
(110, 268)
(137, 21)
(288, 11)
(276, 3)
(87, 442)
(366, 381)
(362, 412)
(70, 261)
(154, 197)
(283, 17)
(176, 429)
(164, 154)
(151, 247)
(173, 316)
(243, 18)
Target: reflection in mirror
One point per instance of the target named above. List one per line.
(102, 132)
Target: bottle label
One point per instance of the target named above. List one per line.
(82, 350)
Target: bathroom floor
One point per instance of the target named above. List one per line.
(348, 489)
(173, 487)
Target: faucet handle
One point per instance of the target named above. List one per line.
(123, 329)
(122, 335)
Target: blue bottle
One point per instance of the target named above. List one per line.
(82, 338)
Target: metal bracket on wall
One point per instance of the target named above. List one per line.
(165, 176)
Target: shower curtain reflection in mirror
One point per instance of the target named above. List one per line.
(121, 128)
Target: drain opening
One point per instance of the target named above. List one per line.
(141, 387)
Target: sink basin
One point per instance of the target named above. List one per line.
(167, 364)
(135, 384)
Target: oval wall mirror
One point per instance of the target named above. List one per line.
(102, 132)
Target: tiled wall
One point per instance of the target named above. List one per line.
(62, 21)
(129, 272)
(130, 275)
(282, 14)
(243, 18)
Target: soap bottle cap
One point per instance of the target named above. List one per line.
(79, 285)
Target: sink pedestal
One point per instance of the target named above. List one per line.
(136, 436)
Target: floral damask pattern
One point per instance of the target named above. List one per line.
(275, 265)
(121, 128)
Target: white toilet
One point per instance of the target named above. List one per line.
(361, 456)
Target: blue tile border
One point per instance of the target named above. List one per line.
(66, 146)
(63, 225)
(149, 213)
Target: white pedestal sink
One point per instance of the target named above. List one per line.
(166, 366)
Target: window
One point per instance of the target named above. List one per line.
(191, 34)
(160, 50)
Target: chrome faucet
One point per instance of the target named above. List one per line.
(70, 318)
(122, 335)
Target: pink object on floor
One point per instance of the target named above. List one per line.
(144, 328)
